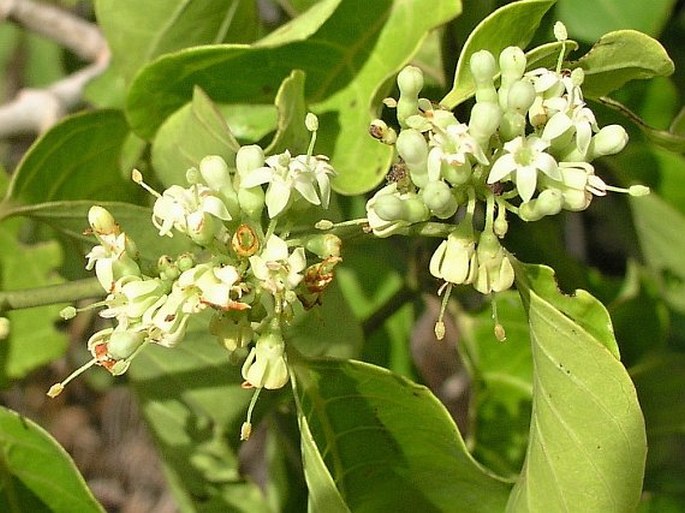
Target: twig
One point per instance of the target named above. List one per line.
(36, 110)
(76, 34)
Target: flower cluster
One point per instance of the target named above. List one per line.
(244, 272)
(527, 149)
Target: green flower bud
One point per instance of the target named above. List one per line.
(549, 202)
(438, 197)
(512, 62)
(521, 96)
(249, 158)
(410, 83)
(484, 68)
(215, 173)
(513, 125)
(485, 120)
(414, 211)
(610, 140)
(102, 222)
(389, 208)
(412, 147)
(324, 245)
(122, 344)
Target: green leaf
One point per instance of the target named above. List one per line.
(37, 473)
(511, 25)
(387, 443)
(502, 384)
(71, 219)
(76, 159)
(329, 329)
(347, 58)
(194, 405)
(608, 15)
(660, 229)
(619, 57)
(581, 307)
(191, 133)
(587, 441)
(291, 133)
(34, 340)
(138, 31)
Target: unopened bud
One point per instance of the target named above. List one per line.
(215, 173)
(410, 81)
(438, 197)
(610, 140)
(249, 158)
(412, 147)
(102, 222)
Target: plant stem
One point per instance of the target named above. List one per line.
(52, 294)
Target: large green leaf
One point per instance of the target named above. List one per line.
(511, 25)
(138, 31)
(619, 57)
(587, 441)
(387, 443)
(502, 384)
(582, 307)
(346, 57)
(36, 473)
(608, 15)
(660, 229)
(76, 159)
(191, 133)
(194, 405)
(34, 340)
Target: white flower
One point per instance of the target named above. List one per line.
(132, 296)
(190, 211)
(284, 173)
(111, 261)
(524, 157)
(219, 285)
(277, 270)
(455, 258)
(265, 366)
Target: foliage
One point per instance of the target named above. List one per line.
(560, 414)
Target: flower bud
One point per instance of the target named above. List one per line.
(415, 211)
(610, 140)
(389, 208)
(122, 344)
(215, 173)
(484, 121)
(410, 83)
(521, 96)
(548, 203)
(512, 63)
(324, 245)
(513, 125)
(249, 158)
(438, 197)
(412, 147)
(484, 68)
(102, 222)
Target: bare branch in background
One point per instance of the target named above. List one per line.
(35, 110)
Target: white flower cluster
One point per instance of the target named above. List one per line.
(244, 270)
(527, 149)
